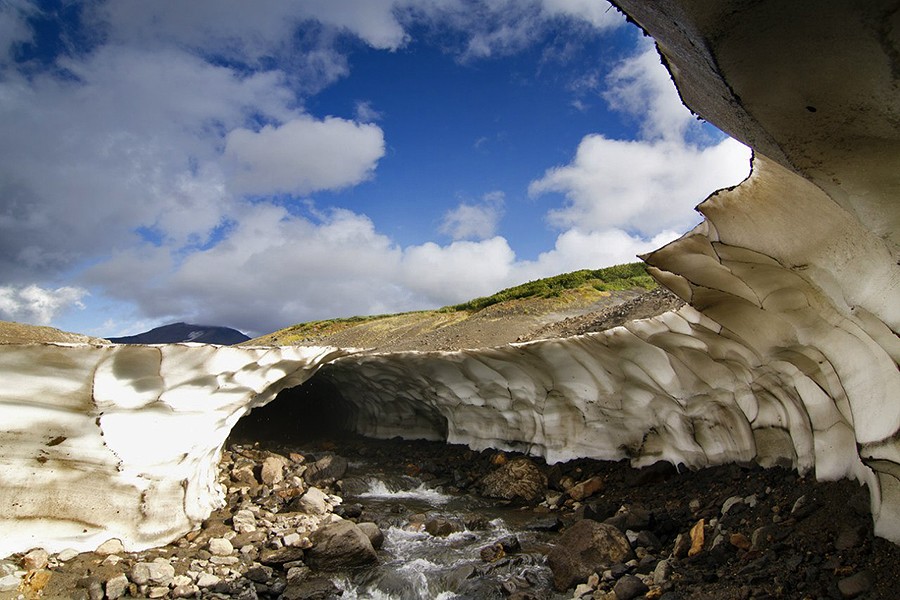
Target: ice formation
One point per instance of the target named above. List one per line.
(124, 441)
(788, 352)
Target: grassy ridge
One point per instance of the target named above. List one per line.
(619, 277)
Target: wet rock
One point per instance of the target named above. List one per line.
(584, 548)
(280, 556)
(317, 588)
(856, 585)
(519, 479)
(326, 470)
(374, 533)
(441, 526)
(340, 545)
(628, 587)
(548, 523)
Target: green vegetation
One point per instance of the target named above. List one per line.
(619, 277)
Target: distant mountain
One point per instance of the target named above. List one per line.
(185, 332)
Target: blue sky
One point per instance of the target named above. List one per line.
(260, 164)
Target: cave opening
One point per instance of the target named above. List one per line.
(311, 411)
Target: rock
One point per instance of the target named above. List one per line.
(280, 556)
(111, 546)
(158, 572)
(9, 582)
(326, 470)
(244, 474)
(340, 545)
(441, 526)
(207, 580)
(584, 548)
(731, 502)
(259, 573)
(67, 555)
(697, 538)
(116, 586)
(582, 590)
(850, 537)
(492, 553)
(317, 588)
(244, 521)
(519, 479)
(220, 547)
(185, 591)
(272, 470)
(682, 545)
(662, 572)
(373, 532)
(586, 489)
(313, 502)
(35, 560)
(739, 540)
(629, 587)
(855, 585)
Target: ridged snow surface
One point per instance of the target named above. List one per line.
(124, 441)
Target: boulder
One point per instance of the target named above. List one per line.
(586, 547)
(326, 470)
(519, 479)
(340, 545)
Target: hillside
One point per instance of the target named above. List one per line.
(568, 304)
(185, 332)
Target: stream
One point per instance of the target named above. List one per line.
(446, 563)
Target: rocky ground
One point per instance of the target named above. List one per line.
(731, 532)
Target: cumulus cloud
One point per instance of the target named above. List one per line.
(474, 221)
(303, 155)
(640, 186)
(34, 304)
(647, 185)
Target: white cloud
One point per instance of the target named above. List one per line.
(303, 155)
(641, 87)
(37, 305)
(601, 15)
(638, 185)
(474, 221)
(13, 28)
(646, 185)
(366, 113)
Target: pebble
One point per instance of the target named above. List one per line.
(9, 582)
(110, 546)
(220, 547)
(207, 580)
(158, 572)
(117, 586)
(67, 555)
(272, 470)
(35, 560)
(629, 587)
(855, 585)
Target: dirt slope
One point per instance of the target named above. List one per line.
(572, 312)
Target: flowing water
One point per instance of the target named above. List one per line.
(417, 565)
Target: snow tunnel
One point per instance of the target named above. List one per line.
(321, 408)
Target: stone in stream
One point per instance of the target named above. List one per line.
(340, 545)
(519, 479)
(584, 548)
(373, 532)
(326, 470)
